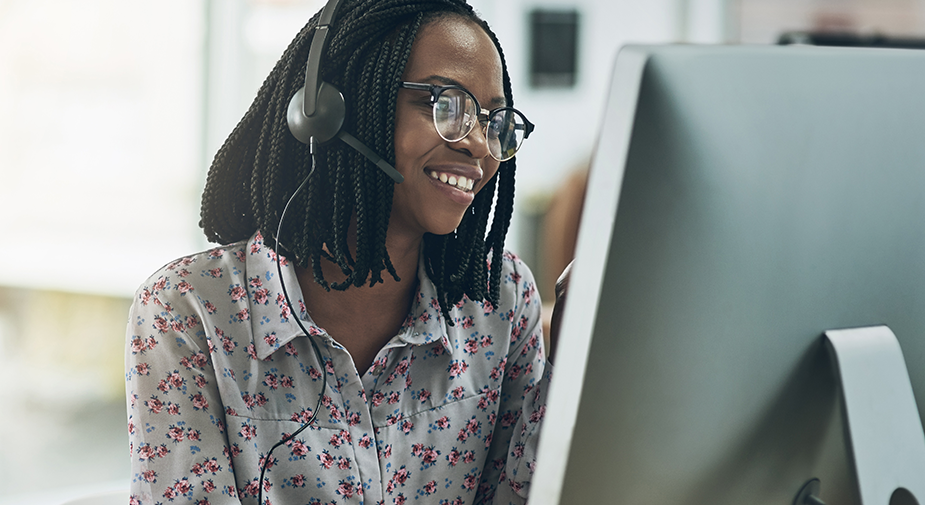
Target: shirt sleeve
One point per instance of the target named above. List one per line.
(178, 443)
(512, 458)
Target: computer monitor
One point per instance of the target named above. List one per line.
(742, 202)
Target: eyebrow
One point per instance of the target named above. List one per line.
(498, 101)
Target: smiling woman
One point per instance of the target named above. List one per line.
(425, 382)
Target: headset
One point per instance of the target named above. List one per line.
(316, 112)
(316, 115)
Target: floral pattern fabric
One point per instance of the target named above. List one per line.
(218, 372)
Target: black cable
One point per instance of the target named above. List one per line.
(295, 314)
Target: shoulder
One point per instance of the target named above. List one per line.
(518, 286)
(190, 276)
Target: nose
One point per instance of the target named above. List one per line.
(475, 144)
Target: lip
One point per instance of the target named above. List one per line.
(454, 194)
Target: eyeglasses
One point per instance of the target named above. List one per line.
(456, 112)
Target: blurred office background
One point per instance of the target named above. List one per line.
(110, 112)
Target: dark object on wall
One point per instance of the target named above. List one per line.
(553, 48)
(850, 40)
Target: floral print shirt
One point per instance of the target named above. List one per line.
(218, 372)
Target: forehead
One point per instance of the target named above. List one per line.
(457, 50)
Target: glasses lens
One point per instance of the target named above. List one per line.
(455, 114)
(506, 130)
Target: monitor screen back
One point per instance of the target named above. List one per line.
(742, 200)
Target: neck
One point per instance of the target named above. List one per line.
(363, 319)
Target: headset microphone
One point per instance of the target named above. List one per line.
(317, 111)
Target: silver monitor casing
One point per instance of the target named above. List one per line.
(742, 201)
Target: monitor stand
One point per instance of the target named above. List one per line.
(883, 427)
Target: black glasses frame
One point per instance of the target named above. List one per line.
(484, 115)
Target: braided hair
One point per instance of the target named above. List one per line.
(259, 166)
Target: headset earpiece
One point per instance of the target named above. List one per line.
(327, 120)
(317, 111)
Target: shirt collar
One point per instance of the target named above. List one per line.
(273, 326)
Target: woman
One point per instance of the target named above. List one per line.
(311, 376)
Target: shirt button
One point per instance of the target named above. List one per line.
(377, 370)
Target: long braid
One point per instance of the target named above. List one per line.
(260, 164)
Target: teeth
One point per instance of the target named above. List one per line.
(460, 182)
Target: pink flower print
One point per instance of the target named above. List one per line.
(400, 499)
(251, 351)
(299, 449)
(150, 343)
(173, 409)
(336, 440)
(329, 366)
(251, 488)
(457, 368)
(208, 486)
(467, 322)
(175, 380)
(430, 456)
(237, 292)
(417, 450)
(138, 345)
(515, 277)
(387, 453)
(430, 487)
(472, 346)
(470, 481)
(314, 373)
(486, 341)
(271, 380)
(514, 373)
(518, 451)
(458, 392)
(161, 324)
(177, 325)
(353, 419)
(298, 480)
(286, 382)
(391, 419)
(453, 457)
(255, 282)
(365, 442)
(216, 273)
(191, 321)
(327, 461)
(406, 427)
(401, 475)
(162, 386)
(377, 398)
(216, 253)
(424, 395)
(260, 296)
(154, 405)
(145, 297)
(243, 315)
(393, 397)
(193, 435)
(443, 423)
(149, 476)
(270, 339)
(160, 284)
(142, 369)
(228, 345)
(162, 451)
(183, 486)
(345, 489)
(468, 457)
(210, 308)
(487, 307)
(473, 425)
(199, 401)
(247, 431)
(343, 463)
(463, 435)
(184, 287)
(240, 256)
(291, 350)
(170, 494)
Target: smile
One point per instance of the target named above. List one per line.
(457, 181)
